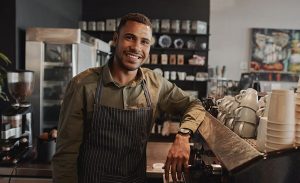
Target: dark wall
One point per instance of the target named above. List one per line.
(45, 13)
(7, 36)
(7, 30)
(17, 15)
(171, 9)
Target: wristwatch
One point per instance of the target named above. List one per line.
(185, 131)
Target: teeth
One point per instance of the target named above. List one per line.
(134, 56)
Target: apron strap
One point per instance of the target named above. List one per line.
(99, 91)
(147, 94)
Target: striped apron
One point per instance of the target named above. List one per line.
(114, 144)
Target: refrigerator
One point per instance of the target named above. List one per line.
(56, 55)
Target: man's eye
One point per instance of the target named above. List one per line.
(129, 37)
(146, 42)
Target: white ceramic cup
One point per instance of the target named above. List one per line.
(229, 122)
(173, 75)
(260, 112)
(250, 100)
(181, 75)
(167, 75)
(245, 114)
(219, 115)
(223, 117)
(244, 129)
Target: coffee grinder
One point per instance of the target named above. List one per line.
(16, 131)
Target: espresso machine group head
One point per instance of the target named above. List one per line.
(16, 133)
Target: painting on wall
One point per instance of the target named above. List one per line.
(275, 50)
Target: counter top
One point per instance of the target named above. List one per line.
(156, 153)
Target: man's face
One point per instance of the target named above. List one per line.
(132, 45)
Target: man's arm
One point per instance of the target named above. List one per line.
(179, 153)
(70, 132)
(174, 100)
(178, 157)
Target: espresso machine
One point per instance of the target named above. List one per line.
(16, 131)
(221, 156)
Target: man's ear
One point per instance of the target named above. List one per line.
(115, 39)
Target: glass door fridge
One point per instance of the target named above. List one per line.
(56, 55)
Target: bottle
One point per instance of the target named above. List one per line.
(256, 84)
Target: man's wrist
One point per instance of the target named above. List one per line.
(185, 132)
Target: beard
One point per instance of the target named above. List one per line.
(126, 66)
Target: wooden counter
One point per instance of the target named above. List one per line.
(29, 172)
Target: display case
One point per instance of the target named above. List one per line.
(56, 55)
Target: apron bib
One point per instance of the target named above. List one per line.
(114, 143)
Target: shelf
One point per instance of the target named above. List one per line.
(61, 64)
(181, 34)
(53, 83)
(198, 68)
(177, 49)
(276, 76)
(51, 102)
(188, 81)
(154, 33)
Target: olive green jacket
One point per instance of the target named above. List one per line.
(77, 109)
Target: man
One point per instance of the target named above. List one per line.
(108, 112)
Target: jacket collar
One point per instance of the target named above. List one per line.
(108, 79)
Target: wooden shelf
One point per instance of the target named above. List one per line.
(197, 68)
(177, 49)
(181, 34)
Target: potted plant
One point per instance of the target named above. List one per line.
(3, 71)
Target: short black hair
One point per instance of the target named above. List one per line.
(137, 17)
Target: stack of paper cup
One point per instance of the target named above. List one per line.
(297, 115)
(281, 120)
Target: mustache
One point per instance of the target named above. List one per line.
(134, 52)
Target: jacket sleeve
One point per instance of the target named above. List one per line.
(174, 100)
(70, 133)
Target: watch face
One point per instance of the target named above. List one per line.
(184, 131)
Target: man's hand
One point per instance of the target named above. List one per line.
(178, 157)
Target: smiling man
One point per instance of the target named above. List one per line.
(108, 112)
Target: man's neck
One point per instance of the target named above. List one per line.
(122, 76)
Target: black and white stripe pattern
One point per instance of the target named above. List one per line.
(114, 146)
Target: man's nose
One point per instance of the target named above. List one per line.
(136, 45)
